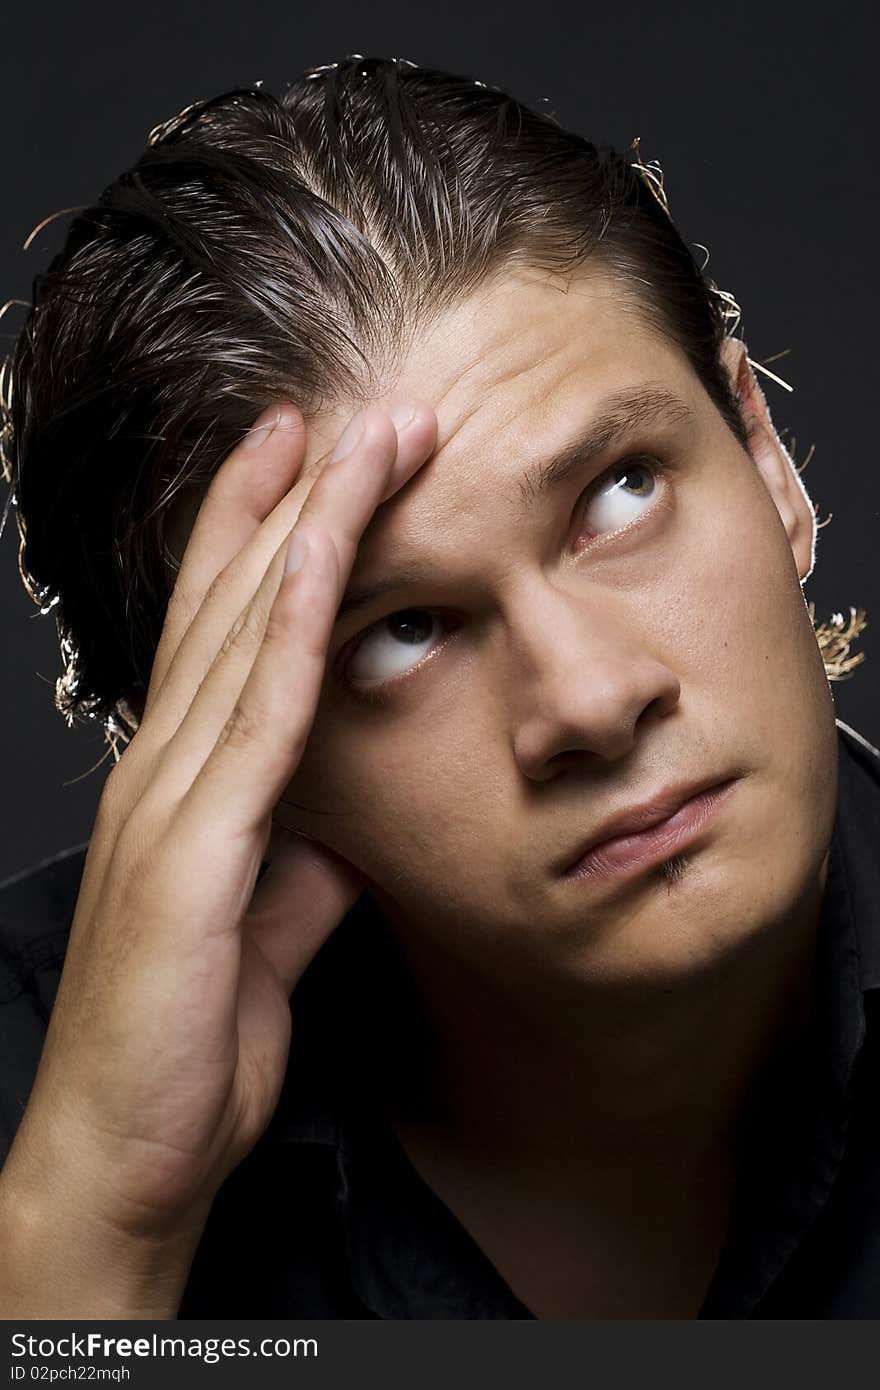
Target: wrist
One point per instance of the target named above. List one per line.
(64, 1259)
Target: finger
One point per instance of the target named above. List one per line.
(345, 496)
(235, 587)
(292, 617)
(249, 483)
(259, 746)
(305, 878)
(215, 837)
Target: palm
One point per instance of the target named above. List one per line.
(264, 1026)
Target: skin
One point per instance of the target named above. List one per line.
(591, 1043)
(170, 1031)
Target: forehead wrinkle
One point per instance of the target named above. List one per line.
(498, 383)
(410, 523)
(425, 510)
(481, 365)
(645, 402)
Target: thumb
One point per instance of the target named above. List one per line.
(303, 895)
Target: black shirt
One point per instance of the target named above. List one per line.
(328, 1218)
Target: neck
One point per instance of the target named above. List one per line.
(554, 1070)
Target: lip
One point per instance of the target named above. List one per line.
(642, 835)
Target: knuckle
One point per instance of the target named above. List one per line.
(183, 601)
(242, 728)
(216, 592)
(126, 779)
(116, 797)
(108, 817)
(134, 863)
(252, 720)
(245, 635)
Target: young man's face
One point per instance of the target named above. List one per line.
(568, 652)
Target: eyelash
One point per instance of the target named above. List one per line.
(381, 692)
(657, 467)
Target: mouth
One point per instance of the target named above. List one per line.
(645, 835)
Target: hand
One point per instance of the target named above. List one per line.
(168, 1043)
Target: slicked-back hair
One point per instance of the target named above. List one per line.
(265, 249)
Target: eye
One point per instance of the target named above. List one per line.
(393, 645)
(629, 491)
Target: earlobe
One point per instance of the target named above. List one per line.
(772, 459)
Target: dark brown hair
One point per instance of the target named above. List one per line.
(269, 248)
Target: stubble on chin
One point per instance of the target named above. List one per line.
(674, 869)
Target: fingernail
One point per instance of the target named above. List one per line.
(297, 550)
(262, 427)
(349, 438)
(402, 413)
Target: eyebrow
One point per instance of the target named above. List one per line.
(620, 415)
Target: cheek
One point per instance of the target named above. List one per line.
(387, 795)
(735, 617)
(753, 676)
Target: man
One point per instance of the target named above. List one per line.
(515, 674)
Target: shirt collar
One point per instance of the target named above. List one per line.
(858, 834)
(797, 1134)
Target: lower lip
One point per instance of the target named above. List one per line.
(628, 854)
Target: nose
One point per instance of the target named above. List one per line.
(585, 682)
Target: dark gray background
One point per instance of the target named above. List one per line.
(763, 120)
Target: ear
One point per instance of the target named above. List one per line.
(772, 459)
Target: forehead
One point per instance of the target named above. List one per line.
(515, 342)
(520, 337)
(511, 372)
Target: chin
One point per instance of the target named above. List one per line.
(690, 915)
